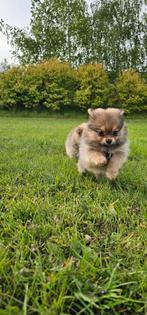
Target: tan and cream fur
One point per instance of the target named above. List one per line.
(101, 144)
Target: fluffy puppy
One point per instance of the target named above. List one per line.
(101, 146)
(73, 141)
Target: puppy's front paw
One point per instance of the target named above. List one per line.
(100, 160)
(81, 168)
(111, 174)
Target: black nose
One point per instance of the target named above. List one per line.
(109, 141)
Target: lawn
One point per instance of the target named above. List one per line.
(69, 245)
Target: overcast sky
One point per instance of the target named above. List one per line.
(14, 13)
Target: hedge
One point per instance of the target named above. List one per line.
(56, 86)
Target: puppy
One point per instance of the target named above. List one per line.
(101, 144)
(73, 141)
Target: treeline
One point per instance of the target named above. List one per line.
(57, 86)
(111, 32)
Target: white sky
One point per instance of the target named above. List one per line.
(15, 13)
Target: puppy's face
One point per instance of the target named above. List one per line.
(107, 126)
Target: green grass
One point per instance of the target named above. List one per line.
(46, 211)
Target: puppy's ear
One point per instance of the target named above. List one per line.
(91, 113)
(121, 112)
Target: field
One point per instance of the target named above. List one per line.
(69, 245)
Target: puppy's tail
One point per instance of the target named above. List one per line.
(73, 141)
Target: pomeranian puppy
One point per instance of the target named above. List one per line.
(101, 144)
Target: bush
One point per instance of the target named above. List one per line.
(60, 83)
(93, 86)
(132, 91)
(12, 89)
(50, 84)
(55, 86)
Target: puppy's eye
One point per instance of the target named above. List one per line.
(115, 133)
(100, 133)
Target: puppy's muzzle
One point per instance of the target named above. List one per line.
(109, 141)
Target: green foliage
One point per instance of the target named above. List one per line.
(94, 86)
(111, 32)
(58, 28)
(50, 84)
(12, 88)
(132, 91)
(60, 82)
(119, 29)
(56, 86)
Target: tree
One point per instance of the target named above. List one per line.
(4, 65)
(118, 32)
(59, 28)
(112, 32)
